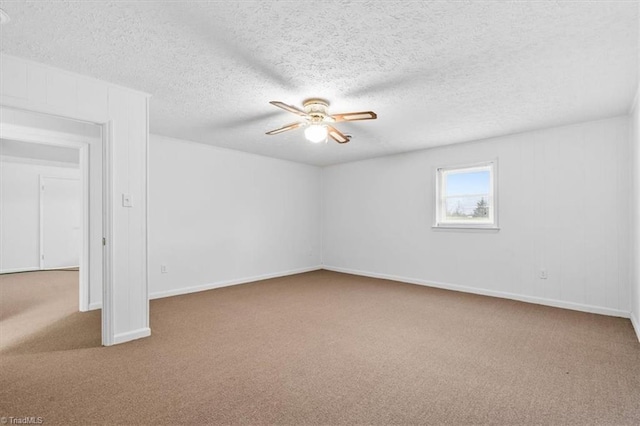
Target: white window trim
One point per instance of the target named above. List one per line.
(493, 226)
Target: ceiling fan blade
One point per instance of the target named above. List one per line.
(355, 116)
(289, 108)
(285, 128)
(337, 135)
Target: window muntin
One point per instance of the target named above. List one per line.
(466, 196)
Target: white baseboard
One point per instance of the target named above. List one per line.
(211, 286)
(131, 335)
(484, 292)
(60, 267)
(95, 305)
(33, 269)
(636, 325)
(15, 270)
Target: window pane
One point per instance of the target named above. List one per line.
(468, 209)
(465, 196)
(464, 183)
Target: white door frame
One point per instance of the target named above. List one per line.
(70, 140)
(82, 227)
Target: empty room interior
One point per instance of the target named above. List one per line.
(345, 212)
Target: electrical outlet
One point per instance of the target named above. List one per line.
(543, 274)
(163, 269)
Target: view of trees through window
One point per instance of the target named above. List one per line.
(466, 195)
(480, 211)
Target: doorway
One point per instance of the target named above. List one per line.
(70, 227)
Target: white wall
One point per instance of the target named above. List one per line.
(564, 205)
(38, 151)
(20, 209)
(635, 214)
(220, 217)
(124, 113)
(634, 140)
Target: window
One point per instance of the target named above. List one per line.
(466, 196)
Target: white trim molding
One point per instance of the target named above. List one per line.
(503, 295)
(131, 335)
(94, 306)
(227, 283)
(61, 268)
(17, 270)
(108, 328)
(441, 193)
(636, 325)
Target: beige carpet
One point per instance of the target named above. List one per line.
(32, 301)
(329, 348)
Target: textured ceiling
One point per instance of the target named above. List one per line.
(436, 73)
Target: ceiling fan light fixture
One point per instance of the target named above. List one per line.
(318, 121)
(316, 133)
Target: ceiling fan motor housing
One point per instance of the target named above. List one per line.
(317, 110)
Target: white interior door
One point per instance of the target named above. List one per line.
(60, 229)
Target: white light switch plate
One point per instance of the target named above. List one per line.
(126, 200)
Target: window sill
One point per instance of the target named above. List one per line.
(465, 228)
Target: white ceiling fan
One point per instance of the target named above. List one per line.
(318, 121)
